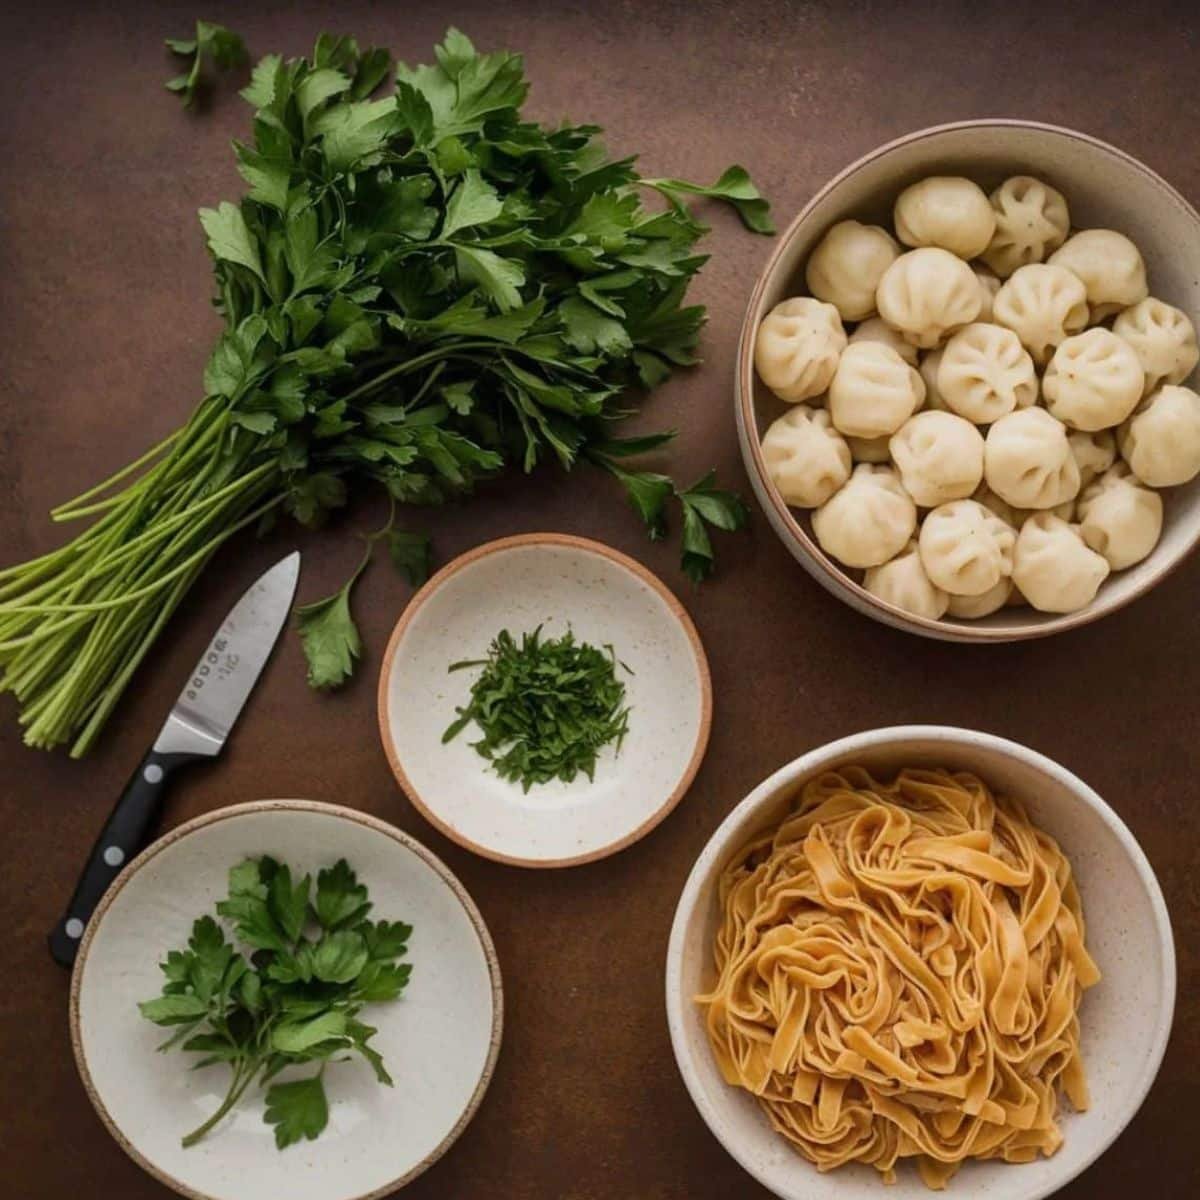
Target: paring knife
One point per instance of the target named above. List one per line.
(196, 729)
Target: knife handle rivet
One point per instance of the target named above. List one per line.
(153, 773)
(74, 928)
(114, 855)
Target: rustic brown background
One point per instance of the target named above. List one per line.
(103, 288)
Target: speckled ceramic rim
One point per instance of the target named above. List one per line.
(585, 546)
(328, 810)
(806, 766)
(824, 570)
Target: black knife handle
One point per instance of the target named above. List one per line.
(124, 834)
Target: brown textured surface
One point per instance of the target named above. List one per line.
(103, 287)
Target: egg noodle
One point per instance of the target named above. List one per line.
(899, 968)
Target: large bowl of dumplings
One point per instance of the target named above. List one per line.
(967, 388)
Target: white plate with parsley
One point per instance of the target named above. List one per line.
(286, 998)
(545, 700)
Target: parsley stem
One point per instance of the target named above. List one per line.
(149, 589)
(160, 529)
(67, 511)
(455, 349)
(243, 1075)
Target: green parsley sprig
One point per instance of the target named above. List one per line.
(546, 707)
(328, 631)
(420, 289)
(296, 999)
(224, 48)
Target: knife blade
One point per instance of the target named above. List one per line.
(228, 669)
(196, 728)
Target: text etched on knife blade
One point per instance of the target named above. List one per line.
(217, 663)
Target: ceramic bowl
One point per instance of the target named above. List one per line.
(439, 1040)
(1104, 187)
(559, 583)
(1125, 1018)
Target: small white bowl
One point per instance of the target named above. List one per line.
(1104, 187)
(560, 583)
(439, 1040)
(1125, 1019)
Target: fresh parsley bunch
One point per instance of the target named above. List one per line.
(296, 999)
(420, 289)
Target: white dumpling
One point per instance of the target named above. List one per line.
(870, 450)
(846, 267)
(1031, 221)
(929, 366)
(797, 347)
(903, 581)
(1094, 453)
(985, 372)
(1119, 518)
(947, 211)
(966, 548)
(1110, 266)
(1043, 305)
(1027, 460)
(868, 521)
(989, 285)
(876, 329)
(1094, 381)
(874, 391)
(807, 459)
(939, 457)
(1163, 338)
(1161, 441)
(1053, 566)
(927, 294)
(971, 608)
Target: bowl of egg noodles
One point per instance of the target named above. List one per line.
(920, 959)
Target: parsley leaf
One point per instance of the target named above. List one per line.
(296, 1037)
(339, 957)
(499, 278)
(648, 492)
(330, 636)
(229, 237)
(340, 900)
(289, 903)
(173, 1009)
(734, 187)
(473, 202)
(411, 555)
(702, 502)
(380, 982)
(297, 1110)
(361, 1035)
(213, 42)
